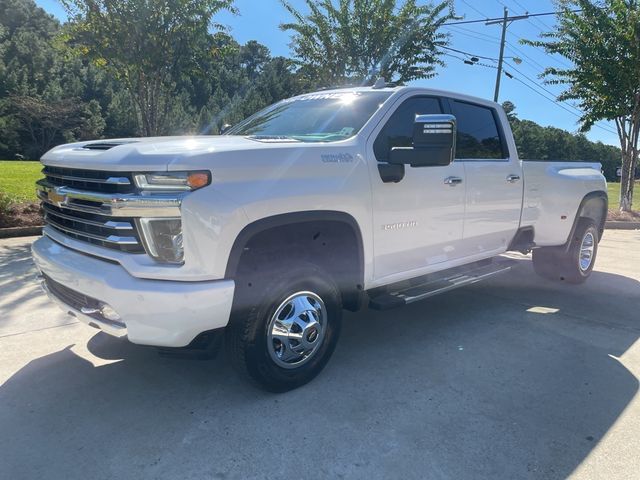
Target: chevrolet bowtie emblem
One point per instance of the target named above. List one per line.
(56, 198)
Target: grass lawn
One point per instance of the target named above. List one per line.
(614, 196)
(17, 179)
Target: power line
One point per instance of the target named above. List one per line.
(567, 107)
(469, 54)
(517, 51)
(480, 64)
(484, 20)
(547, 27)
(535, 82)
(570, 109)
(533, 18)
(558, 104)
(472, 7)
(561, 62)
(489, 39)
(525, 11)
(513, 48)
(476, 35)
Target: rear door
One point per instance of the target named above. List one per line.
(493, 178)
(417, 222)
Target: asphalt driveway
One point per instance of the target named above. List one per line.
(513, 378)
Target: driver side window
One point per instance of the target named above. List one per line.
(398, 131)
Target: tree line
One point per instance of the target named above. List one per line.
(535, 142)
(53, 89)
(159, 67)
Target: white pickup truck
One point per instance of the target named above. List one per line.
(322, 202)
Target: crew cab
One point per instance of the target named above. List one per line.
(341, 199)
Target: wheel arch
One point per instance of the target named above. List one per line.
(333, 235)
(594, 205)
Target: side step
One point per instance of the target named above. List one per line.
(443, 282)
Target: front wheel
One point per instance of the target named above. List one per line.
(575, 264)
(287, 337)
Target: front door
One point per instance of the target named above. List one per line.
(417, 222)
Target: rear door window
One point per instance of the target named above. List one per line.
(478, 133)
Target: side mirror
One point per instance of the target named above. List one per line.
(434, 143)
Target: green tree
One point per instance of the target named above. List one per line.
(47, 122)
(356, 40)
(602, 40)
(39, 83)
(245, 80)
(148, 46)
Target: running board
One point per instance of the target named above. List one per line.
(445, 283)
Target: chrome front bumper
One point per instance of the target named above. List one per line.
(86, 314)
(153, 312)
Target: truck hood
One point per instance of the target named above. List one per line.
(146, 154)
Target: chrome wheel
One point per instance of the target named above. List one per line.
(296, 329)
(586, 251)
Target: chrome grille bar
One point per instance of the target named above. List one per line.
(110, 204)
(108, 224)
(115, 239)
(109, 180)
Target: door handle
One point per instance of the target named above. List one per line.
(513, 178)
(452, 181)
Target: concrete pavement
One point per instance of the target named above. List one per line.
(513, 378)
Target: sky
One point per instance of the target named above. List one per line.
(259, 20)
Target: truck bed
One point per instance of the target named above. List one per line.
(553, 191)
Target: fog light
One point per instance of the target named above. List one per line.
(109, 313)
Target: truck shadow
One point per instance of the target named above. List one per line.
(513, 378)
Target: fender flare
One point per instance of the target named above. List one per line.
(591, 202)
(285, 219)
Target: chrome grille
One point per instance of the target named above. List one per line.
(78, 204)
(90, 180)
(101, 230)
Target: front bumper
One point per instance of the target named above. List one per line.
(162, 313)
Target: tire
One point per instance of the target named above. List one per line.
(283, 337)
(575, 264)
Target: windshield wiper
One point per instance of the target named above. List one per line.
(273, 138)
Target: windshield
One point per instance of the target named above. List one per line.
(316, 117)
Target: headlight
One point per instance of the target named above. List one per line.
(163, 238)
(172, 181)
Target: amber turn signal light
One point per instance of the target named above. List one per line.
(197, 180)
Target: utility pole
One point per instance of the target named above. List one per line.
(505, 23)
(501, 57)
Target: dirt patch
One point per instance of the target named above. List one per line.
(618, 216)
(21, 215)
